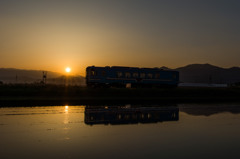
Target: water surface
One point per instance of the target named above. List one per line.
(127, 131)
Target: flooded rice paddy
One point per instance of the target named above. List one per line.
(123, 131)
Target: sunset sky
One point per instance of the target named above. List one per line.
(55, 34)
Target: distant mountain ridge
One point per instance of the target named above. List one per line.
(12, 75)
(206, 73)
(193, 73)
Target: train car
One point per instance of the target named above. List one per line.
(117, 76)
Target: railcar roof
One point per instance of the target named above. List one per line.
(125, 67)
(132, 68)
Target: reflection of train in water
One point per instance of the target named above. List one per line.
(134, 76)
(129, 115)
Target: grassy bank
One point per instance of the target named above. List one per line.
(82, 95)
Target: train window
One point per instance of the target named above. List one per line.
(127, 75)
(135, 74)
(150, 75)
(103, 73)
(157, 75)
(142, 75)
(119, 74)
(93, 73)
(149, 115)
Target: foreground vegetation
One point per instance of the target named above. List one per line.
(60, 94)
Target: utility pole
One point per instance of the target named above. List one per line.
(44, 80)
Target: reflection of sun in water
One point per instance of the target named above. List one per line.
(68, 69)
(66, 123)
(66, 115)
(66, 109)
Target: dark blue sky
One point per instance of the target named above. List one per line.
(145, 33)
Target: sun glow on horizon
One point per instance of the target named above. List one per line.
(68, 69)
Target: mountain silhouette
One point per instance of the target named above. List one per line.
(12, 75)
(206, 73)
(209, 109)
(164, 68)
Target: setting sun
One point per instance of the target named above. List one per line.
(68, 69)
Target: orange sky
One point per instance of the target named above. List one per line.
(51, 36)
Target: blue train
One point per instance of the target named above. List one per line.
(117, 76)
